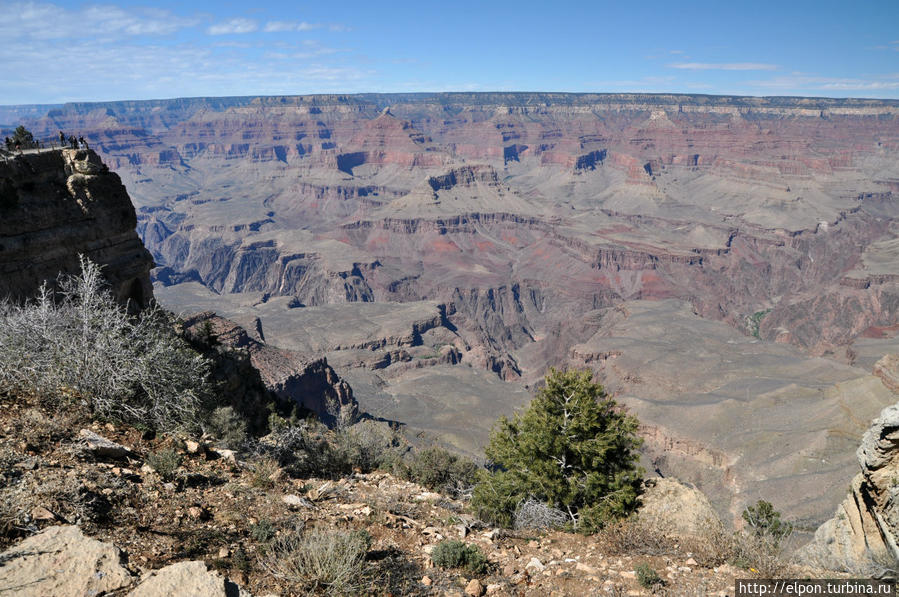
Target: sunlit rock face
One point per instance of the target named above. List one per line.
(56, 206)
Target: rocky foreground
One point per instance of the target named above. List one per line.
(103, 515)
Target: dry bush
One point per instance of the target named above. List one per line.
(713, 547)
(534, 514)
(14, 505)
(634, 536)
(440, 470)
(265, 471)
(81, 344)
(321, 560)
(761, 553)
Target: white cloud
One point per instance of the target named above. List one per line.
(38, 21)
(233, 26)
(279, 26)
(723, 66)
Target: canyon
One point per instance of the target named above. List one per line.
(726, 265)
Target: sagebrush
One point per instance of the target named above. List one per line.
(320, 560)
(457, 554)
(79, 344)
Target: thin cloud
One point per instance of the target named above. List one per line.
(723, 66)
(282, 26)
(829, 83)
(38, 21)
(233, 26)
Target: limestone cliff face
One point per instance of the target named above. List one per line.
(862, 535)
(57, 205)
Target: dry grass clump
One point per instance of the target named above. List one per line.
(165, 462)
(265, 472)
(440, 470)
(761, 554)
(321, 560)
(14, 505)
(635, 536)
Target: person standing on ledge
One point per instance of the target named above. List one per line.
(62, 139)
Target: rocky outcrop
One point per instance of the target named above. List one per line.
(186, 579)
(863, 534)
(684, 511)
(294, 378)
(63, 562)
(57, 205)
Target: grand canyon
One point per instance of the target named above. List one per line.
(726, 265)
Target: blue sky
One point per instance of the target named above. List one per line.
(73, 51)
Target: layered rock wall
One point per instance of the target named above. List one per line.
(56, 205)
(863, 535)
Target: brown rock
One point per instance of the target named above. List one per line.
(474, 588)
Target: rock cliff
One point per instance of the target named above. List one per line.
(863, 535)
(295, 378)
(56, 205)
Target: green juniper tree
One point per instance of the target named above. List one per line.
(573, 449)
(764, 521)
(22, 137)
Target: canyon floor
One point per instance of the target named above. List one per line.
(725, 265)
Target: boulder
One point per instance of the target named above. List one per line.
(683, 510)
(62, 562)
(186, 579)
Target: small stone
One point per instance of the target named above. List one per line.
(195, 512)
(192, 446)
(509, 570)
(517, 579)
(100, 447)
(691, 562)
(426, 581)
(494, 588)
(226, 454)
(535, 564)
(581, 567)
(224, 552)
(41, 513)
(295, 501)
(474, 588)
(627, 574)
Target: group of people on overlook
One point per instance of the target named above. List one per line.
(26, 141)
(74, 142)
